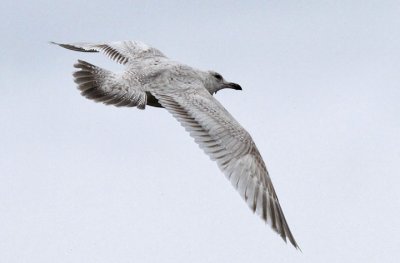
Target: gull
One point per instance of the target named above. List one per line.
(152, 79)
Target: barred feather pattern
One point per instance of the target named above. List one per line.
(151, 78)
(105, 86)
(221, 137)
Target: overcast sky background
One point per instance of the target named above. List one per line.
(85, 182)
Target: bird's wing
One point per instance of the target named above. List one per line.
(121, 51)
(226, 142)
(105, 86)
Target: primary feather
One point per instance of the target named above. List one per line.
(153, 79)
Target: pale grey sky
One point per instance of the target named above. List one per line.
(85, 182)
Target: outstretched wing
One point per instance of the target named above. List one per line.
(226, 142)
(121, 51)
(105, 86)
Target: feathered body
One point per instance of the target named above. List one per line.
(150, 78)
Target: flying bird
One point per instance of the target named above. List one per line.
(152, 79)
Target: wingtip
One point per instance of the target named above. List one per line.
(293, 242)
(67, 46)
(299, 249)
(295, 245)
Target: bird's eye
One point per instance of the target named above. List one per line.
(218, 76)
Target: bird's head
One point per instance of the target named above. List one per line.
(215, 82)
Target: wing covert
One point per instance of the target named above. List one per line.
(226, 142)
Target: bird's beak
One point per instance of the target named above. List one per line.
(232, 85)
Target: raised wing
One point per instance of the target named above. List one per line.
(105, 86)
(226, 142)
(121, 51)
